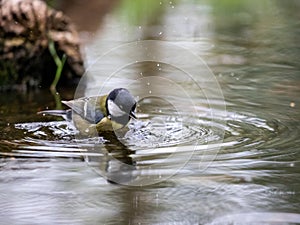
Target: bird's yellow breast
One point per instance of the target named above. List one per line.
(88, 129)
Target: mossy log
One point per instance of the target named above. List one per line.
(26, 28)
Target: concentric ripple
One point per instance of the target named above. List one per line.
(163, 131)
(162, 139)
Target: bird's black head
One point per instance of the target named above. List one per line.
(120, 105)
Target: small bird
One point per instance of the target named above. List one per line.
(99, 113)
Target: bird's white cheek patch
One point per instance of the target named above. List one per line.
(114, 110)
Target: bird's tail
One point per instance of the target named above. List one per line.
(66, 114)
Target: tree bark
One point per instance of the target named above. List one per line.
(26, 27)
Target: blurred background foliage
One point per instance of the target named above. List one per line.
(142, 12)
(226, 13)
(169, 19)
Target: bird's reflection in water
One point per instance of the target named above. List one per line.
(114, 162)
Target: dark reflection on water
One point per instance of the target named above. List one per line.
(50, 175)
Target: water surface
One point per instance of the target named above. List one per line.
(194, 156)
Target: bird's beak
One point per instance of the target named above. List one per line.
(132, 115)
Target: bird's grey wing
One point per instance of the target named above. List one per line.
(87, 108)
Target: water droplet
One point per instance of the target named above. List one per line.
(148, 83)
(232, 74)
(158, 64)
(247, 178)
(150, 92)
(172, 6)
(140, 27)
(292, 104)
(160, 33)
